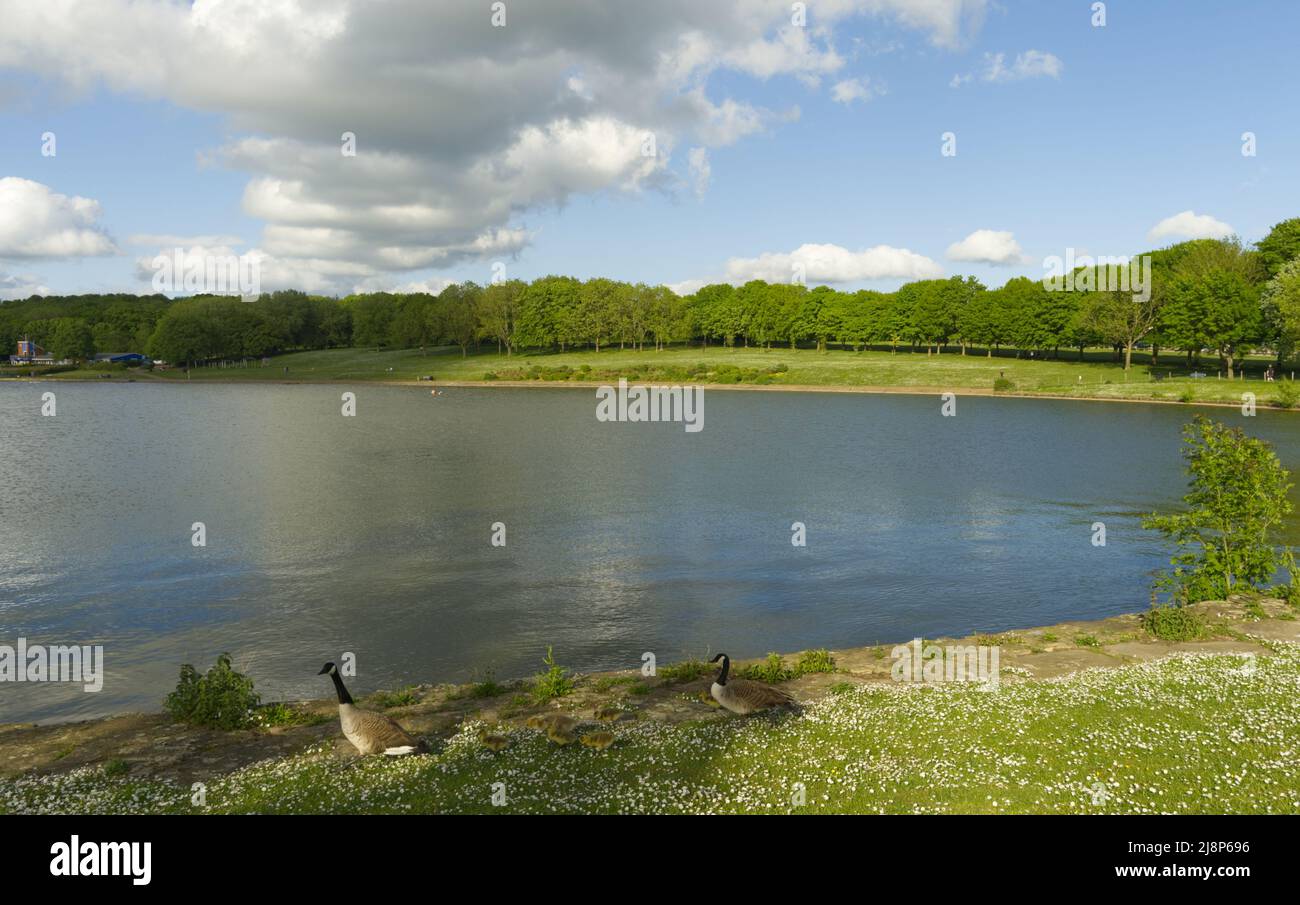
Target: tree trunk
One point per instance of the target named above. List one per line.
(1128, 356)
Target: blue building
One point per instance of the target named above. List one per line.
(132, 358)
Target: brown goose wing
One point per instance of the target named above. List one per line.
(757, 695)
(382, 732)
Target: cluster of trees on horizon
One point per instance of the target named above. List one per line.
(1205, 294)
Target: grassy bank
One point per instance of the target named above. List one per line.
(1187, 734)
(1095, 377)
(1089, 717)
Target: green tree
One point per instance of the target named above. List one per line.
(68, 337)
(499, 313)
(1280, 246)
(1236, 504)
(1280, 304)
(456, 314)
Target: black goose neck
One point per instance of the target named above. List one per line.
(726, 666)
(344, 697)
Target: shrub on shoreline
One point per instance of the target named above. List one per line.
(1174, 623)
(223, 698)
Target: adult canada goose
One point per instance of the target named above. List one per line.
(743, 696)
(370, 733)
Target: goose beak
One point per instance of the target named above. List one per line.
(324, 669)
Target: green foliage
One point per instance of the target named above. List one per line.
(403, 697)
(686, 671)
(1291, 590)
(1087, 641)
(1237, 501)
(555, 682)
(1288, 394)
(221, 699)
(1280, 246)
(280, 714)
(814, 661)
(487, 686)
(116, 768)
(1174, 623)
(1188, 395)
(605, 683)
(771, 670)
(1001, 385)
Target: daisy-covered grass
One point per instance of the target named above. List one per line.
(1193, 733)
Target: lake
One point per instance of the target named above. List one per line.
(371, 534)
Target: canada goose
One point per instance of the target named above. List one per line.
(370, 733)
(598, 740)
(560, 735)
(494, 741)
(608, 714)
(552, 722)
(743, 696)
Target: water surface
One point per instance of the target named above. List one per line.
(371, 534)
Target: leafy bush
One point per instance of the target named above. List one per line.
(771, 670)
(221, 699)
(1288, 394)
(1187, 395)
(554, 683)
(1002, 384)
(1237, 503)
(1174, 623)
(1087, 641)
(814, 661)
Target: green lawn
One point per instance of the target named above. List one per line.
(1193, 733)
(1097, 376)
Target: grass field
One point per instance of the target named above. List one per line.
(1095, 377)
(1199, 733)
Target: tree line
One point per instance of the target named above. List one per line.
(1209, 295)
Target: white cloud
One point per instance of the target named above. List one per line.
(850, 90)
(1028, 65)
(987, 246)
(36, 222)
(477, 127)
(1190, 225)
(701, 171)
(20, 286)
(687, 287)
(834, 264)
(174, 241)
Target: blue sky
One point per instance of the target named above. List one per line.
(1102, 133)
